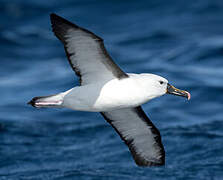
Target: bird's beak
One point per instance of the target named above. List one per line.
(172, 90)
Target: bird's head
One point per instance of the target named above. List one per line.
(158, 86)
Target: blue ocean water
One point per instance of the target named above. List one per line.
(180, 40)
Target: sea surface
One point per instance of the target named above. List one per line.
(178, 39)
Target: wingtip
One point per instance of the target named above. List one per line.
(54, 16)
(57, 20)
(144, 163)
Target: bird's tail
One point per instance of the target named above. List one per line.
(47, 101)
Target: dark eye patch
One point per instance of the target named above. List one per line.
(161, 82)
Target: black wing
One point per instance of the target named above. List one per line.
(86, 52)
(139, 134)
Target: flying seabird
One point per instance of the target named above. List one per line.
(105, 88)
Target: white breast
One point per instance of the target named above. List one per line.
(115, 94)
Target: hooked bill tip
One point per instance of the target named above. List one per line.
(188, 95)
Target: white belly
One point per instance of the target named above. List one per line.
(115, 94)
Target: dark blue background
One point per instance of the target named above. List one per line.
(180, 40)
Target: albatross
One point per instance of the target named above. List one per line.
(107, 89)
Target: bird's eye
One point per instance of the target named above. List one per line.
(161, 82)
